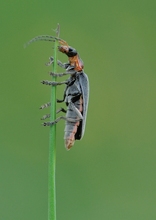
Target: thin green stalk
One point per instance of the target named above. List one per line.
(52, 144)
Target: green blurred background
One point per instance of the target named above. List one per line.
(111, 173)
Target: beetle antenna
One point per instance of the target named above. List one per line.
(63, 43)
(41, 37)
(46, 38)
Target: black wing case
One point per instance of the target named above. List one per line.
(84, 84)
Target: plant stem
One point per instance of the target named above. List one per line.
(52, 144)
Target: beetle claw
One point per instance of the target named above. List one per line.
(50, 62)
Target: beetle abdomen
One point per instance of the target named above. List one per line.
(73, 129)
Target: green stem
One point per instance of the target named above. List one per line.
(52, 144)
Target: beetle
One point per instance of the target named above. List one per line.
(76, 94)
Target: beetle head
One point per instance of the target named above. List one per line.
(65, 48)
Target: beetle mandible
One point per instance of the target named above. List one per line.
(76, 94)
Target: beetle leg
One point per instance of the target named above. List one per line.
(80, 117)
(45, 116)
(63, 65)
(45, 105)
(76, 110)
(58, 119)
(69, 68)
(61, 110)
(59, 101)
(46, 82)
(50, 62)
(61, 74)
(64, 96)
(48, 115)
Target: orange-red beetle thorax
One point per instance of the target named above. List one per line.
(76, 62)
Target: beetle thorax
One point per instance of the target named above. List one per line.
(76, 62)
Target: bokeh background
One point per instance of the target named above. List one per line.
(111, 173)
